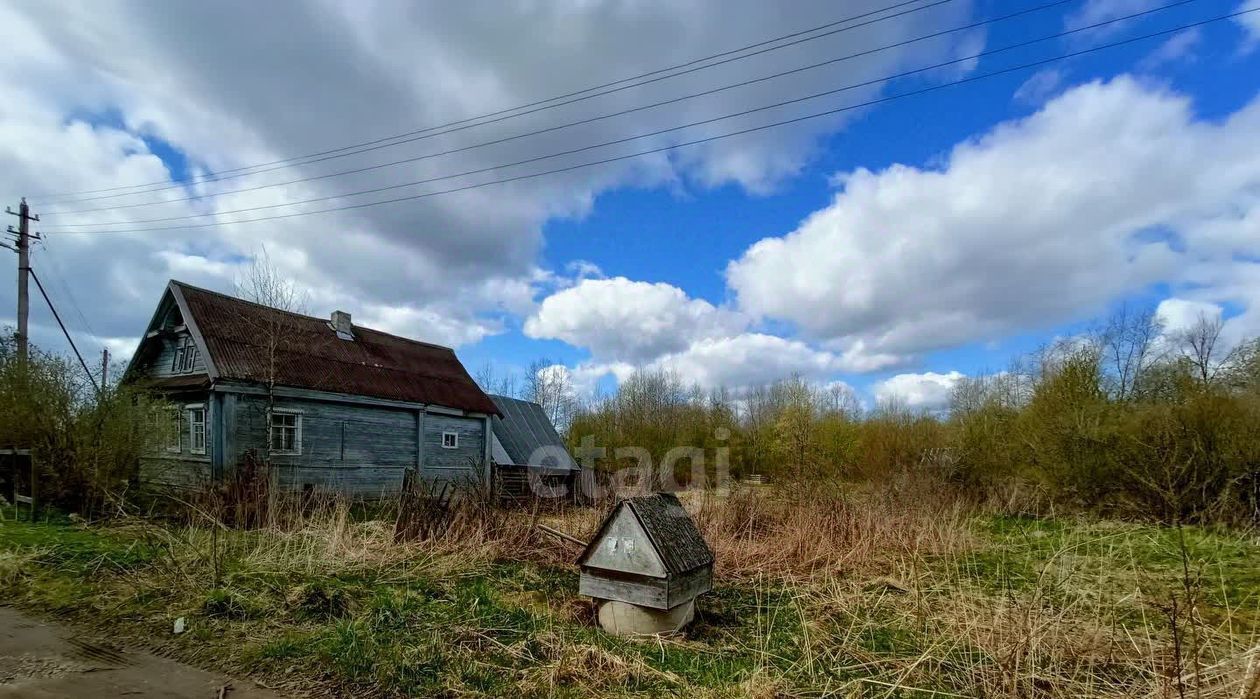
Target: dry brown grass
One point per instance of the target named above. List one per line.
(886, 592)
(757, 532)
(1038, 643)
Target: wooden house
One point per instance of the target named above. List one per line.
(326, 403)
(648, 553)
(530, 458)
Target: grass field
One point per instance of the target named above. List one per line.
(882, 594)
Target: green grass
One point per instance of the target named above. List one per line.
(1120, 559)
(410, 635)
(428, 626)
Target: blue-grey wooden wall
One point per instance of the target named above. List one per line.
(182, 468)
(356, 449)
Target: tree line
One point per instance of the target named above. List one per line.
(1128, 419)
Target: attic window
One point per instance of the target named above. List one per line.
(185, 357)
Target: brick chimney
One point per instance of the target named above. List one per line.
(341, 325)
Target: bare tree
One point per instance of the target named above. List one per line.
(263, 284)
(491, 381)
(1200, 344)
(968, 395)
(1126, 345)
(841, 399)
(551, 386)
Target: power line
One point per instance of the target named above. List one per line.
(59, 280)
(604, 144)
(816, 115)
(462, 124)
(65, 332)
(589, 120)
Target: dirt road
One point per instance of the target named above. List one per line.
(40, 660)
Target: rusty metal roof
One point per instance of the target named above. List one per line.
(251, 342)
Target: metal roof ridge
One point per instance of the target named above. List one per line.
(237, 299)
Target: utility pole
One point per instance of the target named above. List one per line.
(104, 368)
(23, 249)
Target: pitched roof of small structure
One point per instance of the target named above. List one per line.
(250, 342)
(523, 428)
(670, 528)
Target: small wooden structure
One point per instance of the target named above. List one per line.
(647, 553)
(528, 456)
(19, 485)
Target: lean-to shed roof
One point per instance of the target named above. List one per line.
(522, 428)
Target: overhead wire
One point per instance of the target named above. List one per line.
(671, 147)
(64, 331)
(59, 280)
(504, 114)
(601, 117)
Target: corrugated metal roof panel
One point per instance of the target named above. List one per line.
(523, 428)
(250, 342)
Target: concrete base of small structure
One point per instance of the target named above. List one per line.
(625, 619)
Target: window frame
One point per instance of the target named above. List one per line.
(297, 431)
(175, 432)
(193, 424)
(454, 439)
(184, 359)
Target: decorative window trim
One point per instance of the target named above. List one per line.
(193, 424)
(297, 432)
(184, 359)
(453, 442)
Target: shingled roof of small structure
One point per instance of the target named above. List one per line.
(308, 354)
(670, 528)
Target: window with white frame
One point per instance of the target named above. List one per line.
(185, 357)
(450, 440)
(171, 427)
(286, 432)
(196, 429)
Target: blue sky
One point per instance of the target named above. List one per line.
(686, 236)
(826, 249)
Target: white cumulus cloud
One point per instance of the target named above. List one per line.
(1110, 187)
(749, 359)
(1251, 21)
(926, 391)
(118, 92)
(629, 321)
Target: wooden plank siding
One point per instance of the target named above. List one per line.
(360, 450)
(352, 449)
(657, 593)
(160, 363)
(463, 464)
(645, 592)
(182, 468)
